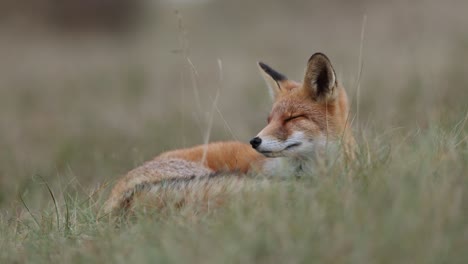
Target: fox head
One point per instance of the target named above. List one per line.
(304, 116)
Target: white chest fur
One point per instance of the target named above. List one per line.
(286, 167)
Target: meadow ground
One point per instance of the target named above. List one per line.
(77, 111)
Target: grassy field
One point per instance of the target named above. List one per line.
(78, 111)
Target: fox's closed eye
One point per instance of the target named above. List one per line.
(294, 117)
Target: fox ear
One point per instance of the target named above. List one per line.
(273, 79)
(320, 78)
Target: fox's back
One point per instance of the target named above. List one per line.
(178, 166)
(230, 156)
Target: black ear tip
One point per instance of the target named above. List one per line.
(318, 55)
(274, 74)
(262, 65)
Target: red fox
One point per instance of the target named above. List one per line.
(305, 117)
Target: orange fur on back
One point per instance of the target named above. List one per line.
(228, 156)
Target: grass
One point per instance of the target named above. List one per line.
(404, 200)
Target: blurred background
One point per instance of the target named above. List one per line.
(91, 88)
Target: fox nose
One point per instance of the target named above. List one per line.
(255, 142)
